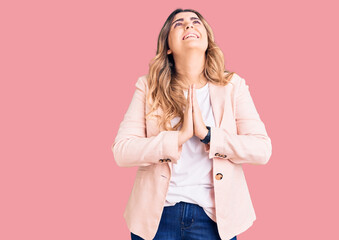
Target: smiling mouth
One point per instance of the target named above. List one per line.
(190, 35)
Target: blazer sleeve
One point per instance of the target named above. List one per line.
(131, 147)
(251, 144)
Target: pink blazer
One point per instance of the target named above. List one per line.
(239, 137)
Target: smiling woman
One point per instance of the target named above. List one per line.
(184, 61)
(189, 128)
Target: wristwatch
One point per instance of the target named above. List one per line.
(206, 140)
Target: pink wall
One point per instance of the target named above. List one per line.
(68, 70)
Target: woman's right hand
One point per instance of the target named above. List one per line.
(186, 131)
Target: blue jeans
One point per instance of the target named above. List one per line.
(185, 221)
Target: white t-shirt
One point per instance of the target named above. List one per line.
(192, 176)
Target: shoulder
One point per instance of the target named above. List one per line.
(234, 87)
(235, 82)
(141, 82)
(238, 82)
(143, 78)
(236, 79)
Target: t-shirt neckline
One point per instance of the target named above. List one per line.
(199, 89)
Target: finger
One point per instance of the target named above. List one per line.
(195, 99)
(193, 95)
(190, 96)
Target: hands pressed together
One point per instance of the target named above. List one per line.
(193, 124)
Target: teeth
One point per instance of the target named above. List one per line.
(190, 35)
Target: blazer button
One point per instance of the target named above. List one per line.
(217, 154)
(168, 160)
(224, 156)
(161, 160)
(218, 176)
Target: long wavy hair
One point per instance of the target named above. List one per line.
(165, 90)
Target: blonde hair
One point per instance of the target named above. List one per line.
(165, 91)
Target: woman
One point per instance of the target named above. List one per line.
(189, 128)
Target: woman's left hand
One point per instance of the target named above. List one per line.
(199, 126)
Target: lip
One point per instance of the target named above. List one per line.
(183, 38)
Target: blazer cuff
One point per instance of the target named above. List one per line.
(170, 146)
(218, 144)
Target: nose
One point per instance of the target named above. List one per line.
(189, 25)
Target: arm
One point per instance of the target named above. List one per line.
(251, 144)
(131, 147)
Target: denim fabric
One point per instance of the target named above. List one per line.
(185, 221)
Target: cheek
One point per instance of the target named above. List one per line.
(169, 39)
(173, 39)
(205, 36)
(204, 32)
(170, 42)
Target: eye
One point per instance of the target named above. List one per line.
(196, 21)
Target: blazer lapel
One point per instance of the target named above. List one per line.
(217, 102)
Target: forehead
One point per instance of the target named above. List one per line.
(184, 15)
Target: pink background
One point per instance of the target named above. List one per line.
(68, 69)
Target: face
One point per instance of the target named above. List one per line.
(185, 23)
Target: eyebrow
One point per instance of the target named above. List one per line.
(181, 19)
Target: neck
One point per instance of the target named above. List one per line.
(190, 69)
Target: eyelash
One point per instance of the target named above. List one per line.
(193, 22)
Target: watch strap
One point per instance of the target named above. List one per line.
(206, 140)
